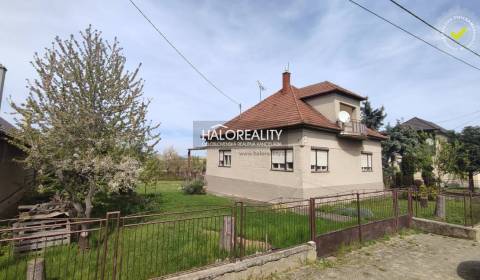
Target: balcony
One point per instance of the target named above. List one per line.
(353, 129)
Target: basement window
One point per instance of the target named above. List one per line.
(282, 159)
(319, 160)
(224, 158)
(367, 165)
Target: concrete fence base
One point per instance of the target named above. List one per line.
(257, 266)
(446, 229)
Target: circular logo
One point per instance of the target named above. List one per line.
(461, 29)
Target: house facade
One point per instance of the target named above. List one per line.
(316, 154)
(437, 136)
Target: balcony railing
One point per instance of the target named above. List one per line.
(354, 129)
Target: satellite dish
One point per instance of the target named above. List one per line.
(343, 116)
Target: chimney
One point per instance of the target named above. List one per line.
(286, 81)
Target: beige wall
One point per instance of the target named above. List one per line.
(345, 173)
(251, 176)
(329, 105)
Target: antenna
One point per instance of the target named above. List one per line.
(287, 69)
(260, 88)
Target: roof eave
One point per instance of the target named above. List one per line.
(337, 91)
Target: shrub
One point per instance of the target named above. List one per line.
(427, 193)
(193, 187)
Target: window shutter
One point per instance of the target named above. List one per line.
(312, 157)
(322, 158)
(364, 160)
(278, 156)
(289, 155)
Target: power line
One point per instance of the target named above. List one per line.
(414, 36)
(434, 28)
(459, 117)
(184, 57)
(464, 124)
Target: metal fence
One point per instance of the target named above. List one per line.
(455, 208)
(160, 244)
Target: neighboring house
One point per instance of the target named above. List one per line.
(437, 135)
(14, 179)
(318, 155)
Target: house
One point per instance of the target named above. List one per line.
(315, 155)
(14, 178)
(437, 135)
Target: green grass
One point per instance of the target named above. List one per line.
(165, 196)
(160, 243)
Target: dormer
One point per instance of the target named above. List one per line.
(330, 99)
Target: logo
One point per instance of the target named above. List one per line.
(461, 29)
(214, 133)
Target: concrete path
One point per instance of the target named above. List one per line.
(417, 256)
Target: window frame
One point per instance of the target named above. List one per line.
(316, 149)
(369, 156)
(285, 169)
(221, 163)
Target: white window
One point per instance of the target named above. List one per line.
(319, 160)
(367, 162)
(225, 158)
(282, 159)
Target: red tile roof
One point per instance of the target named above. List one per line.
(287, 108)
(325, 88)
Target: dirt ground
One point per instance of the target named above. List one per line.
(415, 256)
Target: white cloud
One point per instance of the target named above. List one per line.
(236, 43)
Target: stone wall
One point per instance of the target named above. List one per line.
(441, 228)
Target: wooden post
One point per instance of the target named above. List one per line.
(227, 233)
(36, 269)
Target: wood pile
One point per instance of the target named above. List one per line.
(40, 226)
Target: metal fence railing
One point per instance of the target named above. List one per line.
(455, 208)
(160, 244)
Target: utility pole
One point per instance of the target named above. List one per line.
(3, 72)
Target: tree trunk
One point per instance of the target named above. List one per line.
(84, 213)
(471, 185)
(83, 238)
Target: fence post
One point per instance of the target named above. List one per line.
(471, 211)
(116, 244)
(359, 219)
(241, 236)
(395, 207)
(464, 210)
(410, 206)
(235, 230)
(105, 242)
(312, 219)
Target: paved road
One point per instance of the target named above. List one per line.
(417, 256)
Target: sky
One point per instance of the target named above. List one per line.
(235, 43)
